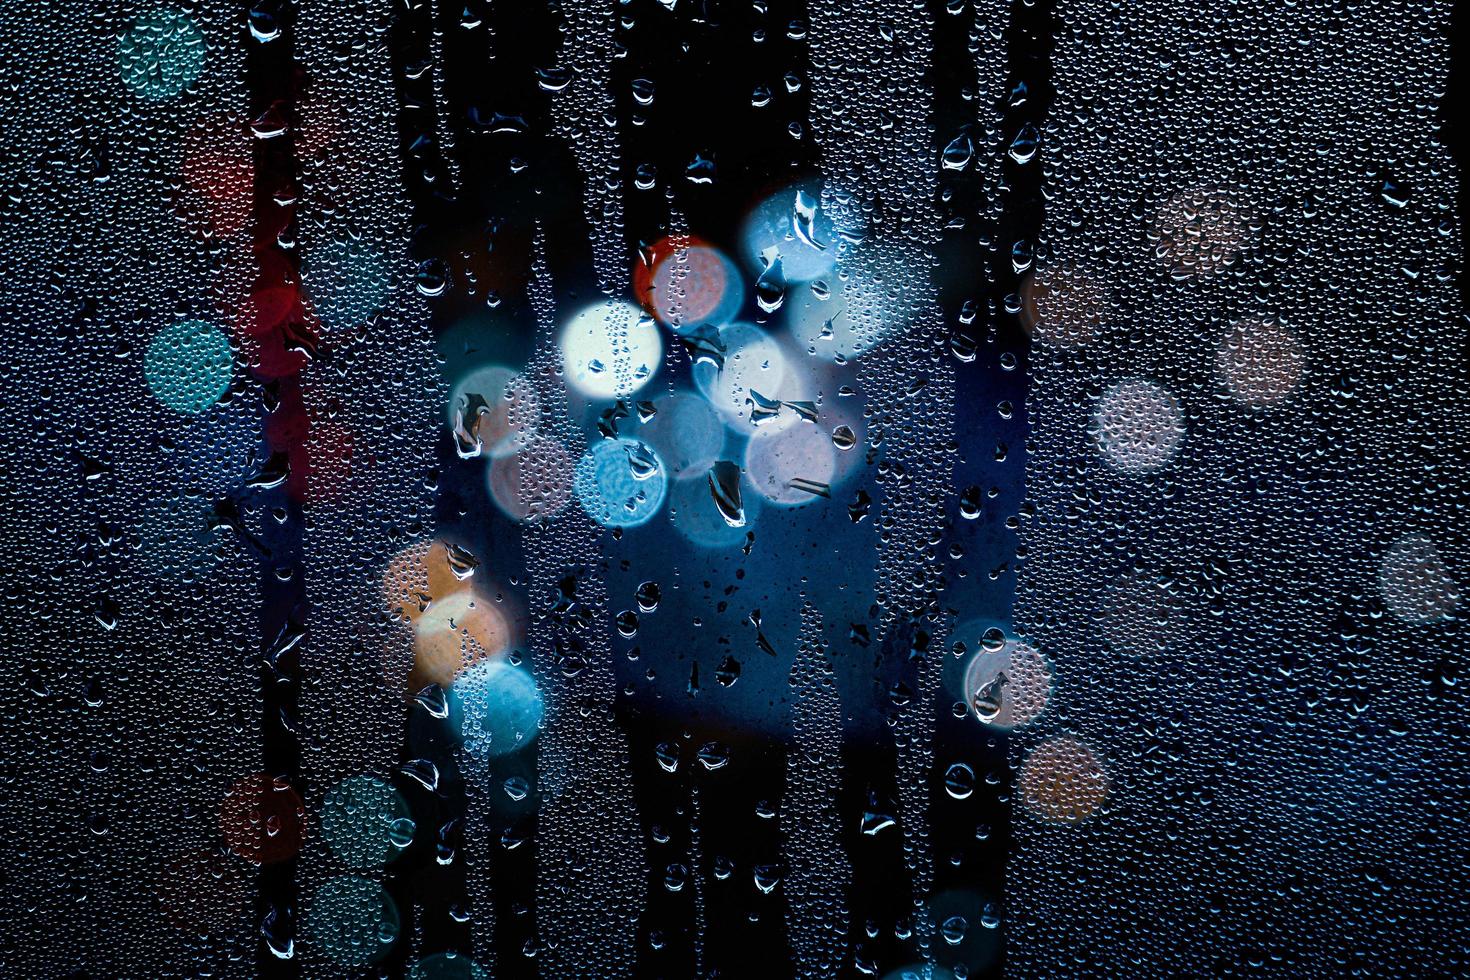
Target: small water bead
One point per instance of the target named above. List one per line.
(401, 832)
(989, 916)
(648, 595)
(766, 877)
(714, 755)
(958, 153)
(626, 623)
(959, 781)
(728, 672)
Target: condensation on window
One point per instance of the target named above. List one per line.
(670, 488)
(1244, 556)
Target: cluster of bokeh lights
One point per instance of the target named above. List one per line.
(761, 393)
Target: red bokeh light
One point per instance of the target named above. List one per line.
(222, 178)
(263, 820)
(699, 287)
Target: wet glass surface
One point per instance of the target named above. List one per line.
(677, 488)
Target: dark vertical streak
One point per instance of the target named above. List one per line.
(968, 284)
(489, 120)
(704, 60)
(429, 893)
(272, 79)
(979, 290)
(1454, 138)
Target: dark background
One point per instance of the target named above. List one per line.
(704, 61)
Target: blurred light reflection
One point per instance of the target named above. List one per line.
(496, 708)
(352, 920)
(620, 482)
(610, 350)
